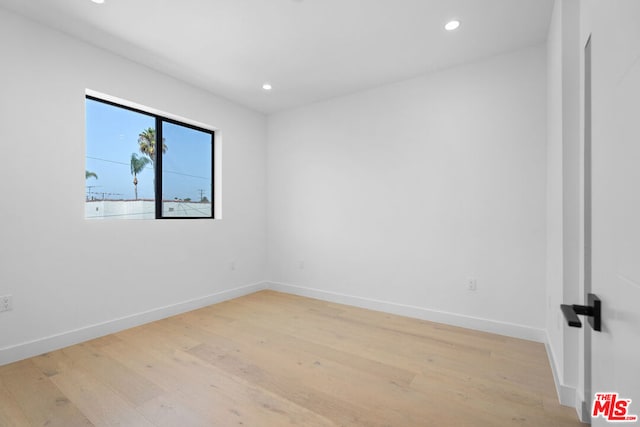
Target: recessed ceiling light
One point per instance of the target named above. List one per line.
(452, 25)
(267, 86)
(98, 1)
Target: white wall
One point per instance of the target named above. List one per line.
(400, 193)
(555, 297)
(66, 273)
(565, 199)
(583, 387)
(571, 158)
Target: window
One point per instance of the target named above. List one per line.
(129, 177)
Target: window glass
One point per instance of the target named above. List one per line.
(186, 171)
(126, 176)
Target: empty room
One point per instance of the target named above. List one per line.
(319, 213)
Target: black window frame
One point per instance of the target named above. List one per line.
(159, 120)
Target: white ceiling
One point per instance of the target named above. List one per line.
(308, 50)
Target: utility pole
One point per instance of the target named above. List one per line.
(201, 193)
(90, 191)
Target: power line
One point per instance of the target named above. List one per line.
(108, 161)
(129, 164)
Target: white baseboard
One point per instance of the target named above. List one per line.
(584, 410)
(455, 319)
(566, 394)
(43, 345)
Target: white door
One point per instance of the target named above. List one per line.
(615, 54)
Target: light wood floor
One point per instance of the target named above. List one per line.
(272, 359)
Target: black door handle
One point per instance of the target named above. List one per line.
(593, 311)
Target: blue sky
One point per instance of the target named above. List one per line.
(111, 138)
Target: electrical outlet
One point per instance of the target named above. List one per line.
(472, 284)
(6, 303)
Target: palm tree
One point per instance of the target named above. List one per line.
(137, 165)
(147, 142)
(89, 174)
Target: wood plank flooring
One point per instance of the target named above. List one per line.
(272, 359)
